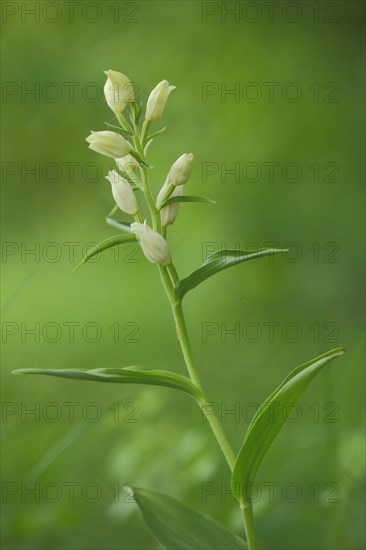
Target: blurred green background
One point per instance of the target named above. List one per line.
(159, 439)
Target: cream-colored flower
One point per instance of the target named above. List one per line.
(122, 193)
(169, 213)
(153, 245)
(118, 91)
(181, 170)
(109, 143)
(157, 100)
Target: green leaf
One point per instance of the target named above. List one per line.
(104, 245)
(127, 375)
(179, 527)
(139, 159)
(121, 130)
(184, 198)
(218, 262)
(113, 211)
(158, 132)
(123, 225)
(138, 111)
(268, 421)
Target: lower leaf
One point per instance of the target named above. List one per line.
(268, 421)
(179, 527)
(127, 375)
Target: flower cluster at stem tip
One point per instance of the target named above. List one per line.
(128, 148)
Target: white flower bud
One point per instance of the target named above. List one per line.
(170, 212)
(181, 170)
(109, 143)
(157, 99)
(118, 91)
(122, 193)
(127, 163)
(153, 245)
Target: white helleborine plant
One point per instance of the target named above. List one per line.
(181, 170)
(122, 193)
(153, 245)
(173, 524)
(157, 100)
(118, 91)
(109, 144)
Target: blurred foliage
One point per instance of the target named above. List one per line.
(170, 448)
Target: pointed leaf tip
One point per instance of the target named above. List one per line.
(184, 199)
(223, 259)
(104, 245)
(268, 421)
(127, 375)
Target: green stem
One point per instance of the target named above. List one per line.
(212, 418)
(145, 185)
(247, 512)
(182, 335)
(173, 274)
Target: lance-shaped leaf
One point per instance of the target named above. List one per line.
(184, 198)
(157, 133)
(179, 527)
(122, 225)
(217, 262)
(113, 211)
(104, 245)
(121, 130)
(268, 421)
(127, 375)
(139, 159)
(137, 110)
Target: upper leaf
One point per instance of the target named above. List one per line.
(158, 132)
(127, 375)
(218, 262)
(268, 421)
(122, 225)
(104, 245)
(183, 198)
(179, 527)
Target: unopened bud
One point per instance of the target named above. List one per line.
(122, 193)
(153, 245)
(181, 170)
(169, 213)
(157, 100)
(109, 143)
(118, 91)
